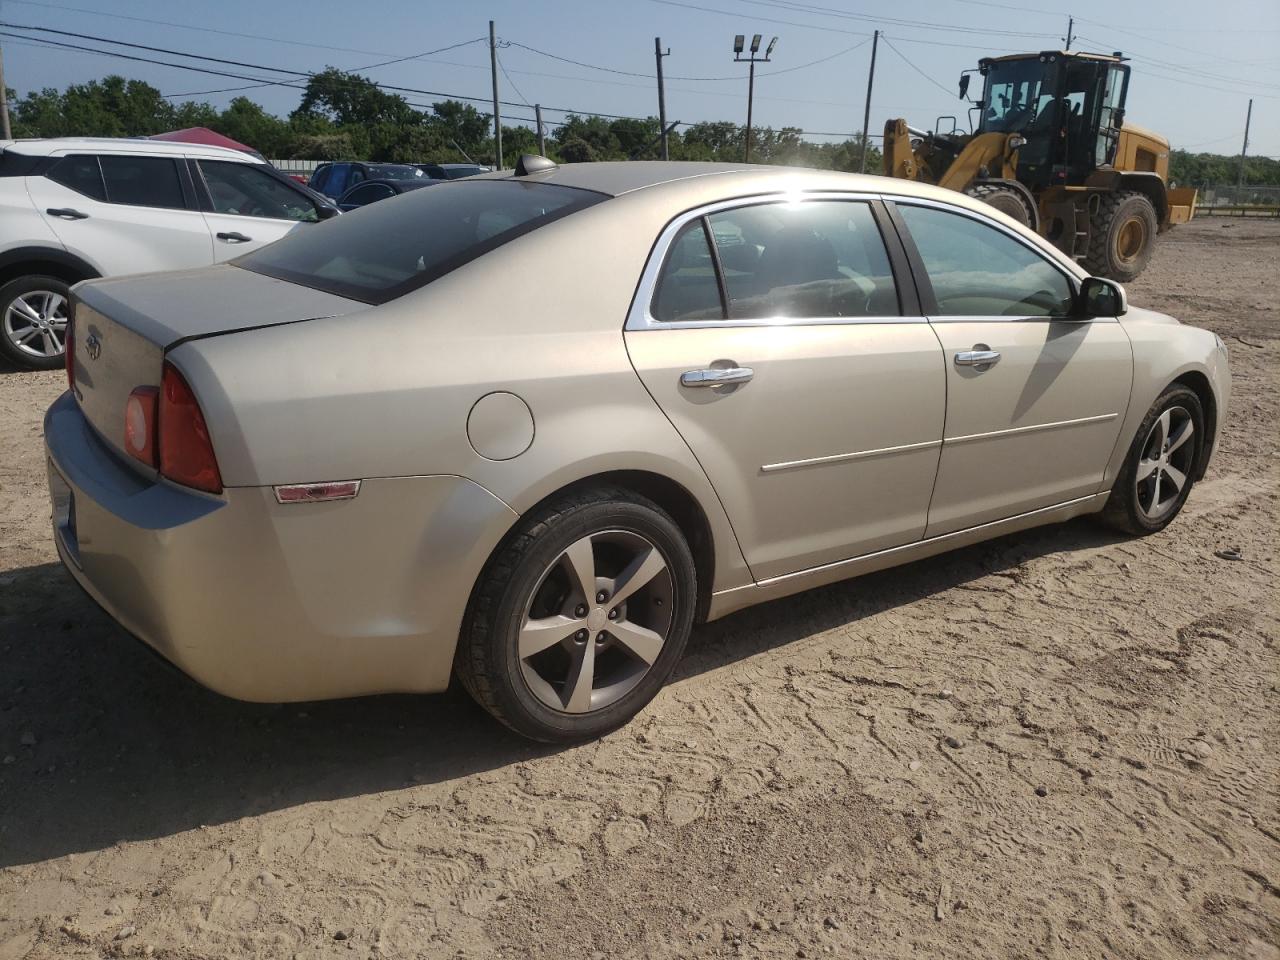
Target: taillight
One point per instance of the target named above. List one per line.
(186, 452)
(140, 424)
(69, 346)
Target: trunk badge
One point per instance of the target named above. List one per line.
(93, 346)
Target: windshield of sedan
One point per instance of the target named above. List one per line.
(385, 250)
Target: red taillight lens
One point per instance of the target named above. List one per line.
(140, 424)
(69, 346)
(186, 452)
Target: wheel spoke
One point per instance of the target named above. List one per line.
(52, 304)
(1183, 435)
(1146, 468)
(1176, 477)
(1163, 426)
(638, 573)
(581, 559)
(544, 633)
(644, 643)
(26, 335)
(24, 309)
(1150, 508)
(581, 678)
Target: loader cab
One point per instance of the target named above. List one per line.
(1068, 107)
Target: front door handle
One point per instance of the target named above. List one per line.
(234, 238)
(716, 376)
(979, 359)
(66, 213)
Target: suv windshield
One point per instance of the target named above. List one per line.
(387, 249)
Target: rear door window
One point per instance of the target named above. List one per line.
(81, 173)
(393, 248)
(818, 259)
(142, 181)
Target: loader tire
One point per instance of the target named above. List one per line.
(1005, 199)
(1122, 235)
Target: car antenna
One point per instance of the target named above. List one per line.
(532, 163)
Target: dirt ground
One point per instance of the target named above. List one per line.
(1058, 744)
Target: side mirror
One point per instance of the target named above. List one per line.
(1101, 298)
(964, 85)
(326, 211)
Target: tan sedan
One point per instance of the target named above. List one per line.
(528, 428)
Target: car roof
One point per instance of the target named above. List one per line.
(160, 148)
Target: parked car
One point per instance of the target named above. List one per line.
(530, 427)
(76, 208)
(451, 171)
(335, 179)
(371, 191)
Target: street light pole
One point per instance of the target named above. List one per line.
(662, 97)
(739, 43)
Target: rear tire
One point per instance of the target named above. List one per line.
(33, 321)
(1122, 235)
(579, 618)
(1159, 470)
(1005, 199)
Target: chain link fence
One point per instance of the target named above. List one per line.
(1231, 200)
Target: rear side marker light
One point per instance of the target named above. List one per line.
(69, 346)
(140, 424)
(317, 492)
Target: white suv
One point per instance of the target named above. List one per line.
(76, 208)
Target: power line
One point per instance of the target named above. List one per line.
(909, 63)
(816, 10)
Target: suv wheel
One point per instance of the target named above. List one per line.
(33, 321)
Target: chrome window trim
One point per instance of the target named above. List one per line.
(640, 317)
(1067, 269)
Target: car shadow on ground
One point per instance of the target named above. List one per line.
(102, 741)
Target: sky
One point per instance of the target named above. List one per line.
(1193, 73)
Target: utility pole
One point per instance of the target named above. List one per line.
(542, 141)
(866, 113)
(662, 96)
(4, 104)
(1071, 29)
(497, 117)
(739, 42)
(1248, 117)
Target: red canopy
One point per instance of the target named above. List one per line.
(205, 136)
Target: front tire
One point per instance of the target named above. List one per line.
(580, 616)
(33, 321)
(1159, 471)
(1005, 199)
(1121, 236)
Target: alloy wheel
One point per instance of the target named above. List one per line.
(36, 323)
(1165, 466)
(596, 622)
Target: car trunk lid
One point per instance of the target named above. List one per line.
(124, 326)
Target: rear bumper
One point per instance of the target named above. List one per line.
(266, 602)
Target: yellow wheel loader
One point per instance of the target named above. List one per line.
(1051, 149)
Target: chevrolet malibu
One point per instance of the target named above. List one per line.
(528, 428)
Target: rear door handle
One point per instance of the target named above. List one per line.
(716, 376)
(66, 213)
(233, 238)
(978, 359)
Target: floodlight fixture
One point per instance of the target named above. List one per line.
(755, 44)
(738, 43)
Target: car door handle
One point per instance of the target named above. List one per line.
(716, 376)
(234, 238)
(982, 359)
(66, 213)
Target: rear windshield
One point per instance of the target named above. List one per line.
(389, 171)
(382, 251)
